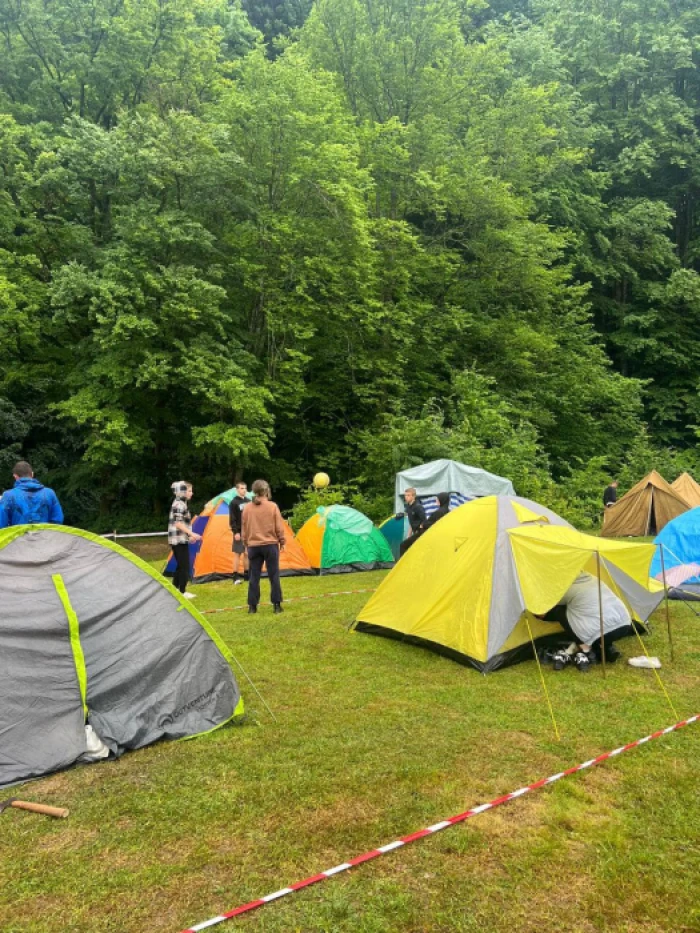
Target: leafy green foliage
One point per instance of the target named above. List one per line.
(276, 18)
(407, 229)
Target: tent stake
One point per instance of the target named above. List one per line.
(600, 610)
(668, 614)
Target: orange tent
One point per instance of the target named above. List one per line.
(644, 510)
(687, 489)
(212, 558)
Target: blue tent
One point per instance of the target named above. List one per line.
(394, 530)
(681, 550)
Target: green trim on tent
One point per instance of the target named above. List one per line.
(226, 497)
(239, 711)
(74, 628)
(8, 535)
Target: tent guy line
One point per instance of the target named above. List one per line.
(435, 828)
(295, 599)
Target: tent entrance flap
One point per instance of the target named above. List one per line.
(74, 629)
(548, 560)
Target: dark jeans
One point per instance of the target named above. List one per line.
(181, 577)
(268, 554)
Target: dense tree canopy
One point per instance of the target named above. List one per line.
(239, 236)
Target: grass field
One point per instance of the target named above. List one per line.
(373, 740)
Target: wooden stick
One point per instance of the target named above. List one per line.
(59, 812)
(600, 610)
(668, 614)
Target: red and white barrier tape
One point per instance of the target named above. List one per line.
(295, 599)
(435, 828)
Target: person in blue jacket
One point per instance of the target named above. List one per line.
(29, 503)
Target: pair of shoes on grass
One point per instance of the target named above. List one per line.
(564, 656)
(580, 659)
(276, 609)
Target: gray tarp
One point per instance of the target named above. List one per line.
(449, 476)
(152, 670)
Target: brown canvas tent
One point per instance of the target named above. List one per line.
(687, 489)
(644, 510)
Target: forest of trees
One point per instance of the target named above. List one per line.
(269, 237)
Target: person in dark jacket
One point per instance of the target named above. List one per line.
(610, 494)
(441, 511)
(443, 508)
(415, 513)
(28, 502)
(235, 520)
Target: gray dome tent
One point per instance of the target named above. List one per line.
(89, 631)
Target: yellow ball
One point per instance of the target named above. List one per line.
(321, 480)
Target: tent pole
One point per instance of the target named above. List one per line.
(600, 610)
(668, 614)
(651, 506)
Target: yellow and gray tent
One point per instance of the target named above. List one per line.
(88, 632)
(472, 586)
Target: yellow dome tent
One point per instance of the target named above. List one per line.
(471, 585)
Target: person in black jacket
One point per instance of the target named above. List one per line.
(235, 520)
(443, 508)
(415, 513)
(610, 494)
(441, 511)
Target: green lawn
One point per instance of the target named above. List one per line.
(373, 740)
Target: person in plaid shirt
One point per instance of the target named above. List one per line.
(180, 534)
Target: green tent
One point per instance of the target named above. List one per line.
(339, 539)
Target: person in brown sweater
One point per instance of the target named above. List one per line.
(262, 532)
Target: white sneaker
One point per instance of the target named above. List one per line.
(237, 581)
(190, 595)
(644, 661)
